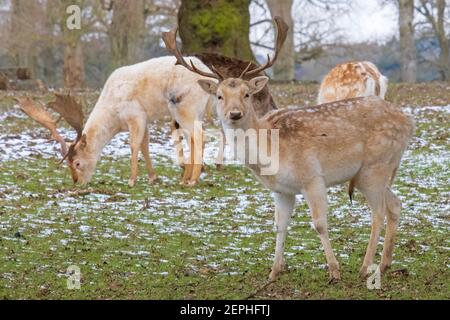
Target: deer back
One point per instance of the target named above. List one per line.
(352, 80)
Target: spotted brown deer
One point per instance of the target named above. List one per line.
(227, 67)
(360, 140)
(352, 80)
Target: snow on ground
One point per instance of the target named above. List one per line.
(434, 158)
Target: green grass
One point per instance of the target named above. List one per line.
(213, 241)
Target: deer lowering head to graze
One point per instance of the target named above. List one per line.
(352, 80)
(133, 96)
(360, 140)
(68, 109)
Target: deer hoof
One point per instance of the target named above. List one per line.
(218, 166)
(274, 275)
(276, 270)
(132, 182)
(363, 272)
(152, 179)
(191, 183)
(334, 277)
(384, 267)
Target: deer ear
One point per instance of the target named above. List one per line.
(209, 86)
(257, 84)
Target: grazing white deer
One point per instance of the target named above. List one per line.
(352, 80)
(133, 96)
(360, 140)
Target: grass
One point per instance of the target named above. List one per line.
(216, 240)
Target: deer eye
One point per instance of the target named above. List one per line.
(77, 164)
(247, 95)
(219, 97)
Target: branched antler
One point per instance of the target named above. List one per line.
(40, 115)
(171, 45)
(69, 109)
(282, 30)
(170, 39)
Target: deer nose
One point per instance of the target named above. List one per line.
(235, 115)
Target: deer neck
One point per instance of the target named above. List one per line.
(261, 131)
(99, 131)
(252, 122)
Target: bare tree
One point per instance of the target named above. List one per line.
(407, 43)
(434, 12)
(284, 68)
(26, 22)
(126, 32)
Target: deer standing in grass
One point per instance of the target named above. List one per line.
(133, 96)
(352, 80)
(359, 140)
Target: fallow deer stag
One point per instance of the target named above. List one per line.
(360, 140)
(352, 80)
(226, 67)
(133, 96)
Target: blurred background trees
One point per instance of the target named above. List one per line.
(284, 69)
(408, 56)
(34, 34)
(219, 26)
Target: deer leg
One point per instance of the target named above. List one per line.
(315, 194)
(220, 153)
(188, 166)
(375, 195)
(196, 159)
(177, 141)
(393, 207)
(137, 129)
(152, 177)
(284, 205)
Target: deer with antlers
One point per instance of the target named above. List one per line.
(136, 94)
(360, 140)
(225, 67)
(352, 80)
(132, 96)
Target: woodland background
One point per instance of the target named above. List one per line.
(33, 34)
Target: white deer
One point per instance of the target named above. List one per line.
(133, 96)
(359, 140)
(352, 80)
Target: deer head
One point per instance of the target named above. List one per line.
(233, 94)
(71, 111)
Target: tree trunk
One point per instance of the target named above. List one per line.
(218, 26)
(407, 44)
(74, 75)
(74, 65)
(127, 32)
(444, 54)
(284, 68)
(21, 44)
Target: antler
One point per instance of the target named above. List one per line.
(40, 115)
(170, 39)
(282, 29)
(70, 110)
